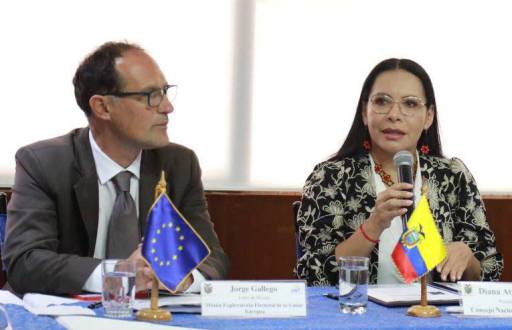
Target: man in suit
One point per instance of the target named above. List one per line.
(60, 216)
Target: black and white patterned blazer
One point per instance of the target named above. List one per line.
(340, 195)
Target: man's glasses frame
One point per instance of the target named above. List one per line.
(155, 97)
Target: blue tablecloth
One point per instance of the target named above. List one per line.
(323, 313)
(22, 319)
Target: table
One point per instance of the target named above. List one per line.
(323, 313)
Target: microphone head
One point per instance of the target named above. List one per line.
(402, 158)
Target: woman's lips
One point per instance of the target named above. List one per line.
(393, 134)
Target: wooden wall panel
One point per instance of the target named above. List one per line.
(256, 230)
(499, 214)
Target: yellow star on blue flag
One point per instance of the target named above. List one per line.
(171, 247)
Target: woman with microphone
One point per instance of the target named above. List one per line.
(352, 204)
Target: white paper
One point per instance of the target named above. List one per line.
(42, 304)
(448, 285)
(87, 323)
(60, 310)
(458, 311)
(397, 293)
(43, 300)
(176, 300)
(454, 310)
(183, 309)
(6, 297)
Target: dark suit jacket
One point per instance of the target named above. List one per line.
(53, 213)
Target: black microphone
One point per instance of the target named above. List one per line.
(403, 162)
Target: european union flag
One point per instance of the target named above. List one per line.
(171, 246)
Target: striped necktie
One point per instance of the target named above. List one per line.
(123, 229)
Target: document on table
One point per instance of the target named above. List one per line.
(409, 294)
(450, 286)
(87, 323)
(7, 297)
(42, 304)
(180, 303)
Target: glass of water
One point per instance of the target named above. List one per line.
(118, 291)
(353, 284)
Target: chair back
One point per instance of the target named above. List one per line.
(3, 221)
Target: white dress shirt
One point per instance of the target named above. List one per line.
(386, 272)
(107, 169)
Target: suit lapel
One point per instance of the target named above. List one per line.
(86, 187)
(149, 176)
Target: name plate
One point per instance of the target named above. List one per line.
(253, 298)
(486, 298)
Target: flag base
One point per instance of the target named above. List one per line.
(424, 311)
(158, 315)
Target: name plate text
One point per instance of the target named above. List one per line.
(253, 298)
(486, 298)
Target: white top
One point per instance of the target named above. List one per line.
(106, 169)
(387, 273)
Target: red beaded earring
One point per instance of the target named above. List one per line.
(424, 149)
(367, 145)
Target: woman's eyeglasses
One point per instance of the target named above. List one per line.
(408, 105)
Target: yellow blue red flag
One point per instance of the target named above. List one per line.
(421, 247)
(171, 247)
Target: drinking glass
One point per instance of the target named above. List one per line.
(353, 294)
(118, 293)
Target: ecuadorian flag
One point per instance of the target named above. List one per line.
(420, 247)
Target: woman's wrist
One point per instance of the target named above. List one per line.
(368, 235)
(371, 228)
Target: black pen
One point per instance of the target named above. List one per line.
(95, 305)
(331, 295)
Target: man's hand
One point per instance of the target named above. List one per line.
(144, 276)
(186, 284)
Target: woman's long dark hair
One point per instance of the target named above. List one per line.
(353, 144)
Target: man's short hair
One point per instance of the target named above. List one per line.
(97, 73)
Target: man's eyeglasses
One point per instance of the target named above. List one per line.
(409, 105)
(154, 97)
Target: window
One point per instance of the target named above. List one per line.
(267, 88)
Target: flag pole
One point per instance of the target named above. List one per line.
(424, 309)
(424, 301)
(154, 313)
